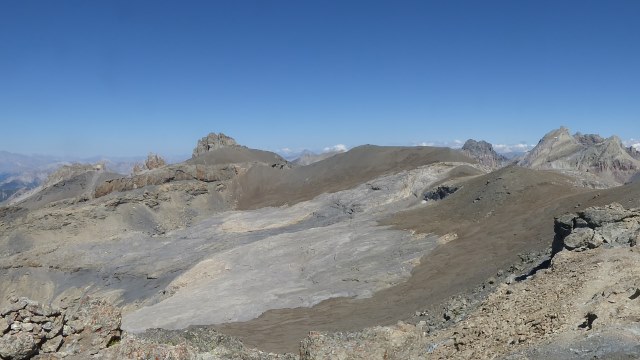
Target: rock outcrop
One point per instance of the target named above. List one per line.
(483, 152)
(211, 142)
(440, 192)
(167, 174)
(154, 161)
(67, 172)
(610, 226)
(90, 328)
(633, 152)
(606, 160)
(588, 139)
(30, 329)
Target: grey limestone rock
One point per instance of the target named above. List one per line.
(484, 153)
(578, 238)
(595, 226)
(211, 142)
(598, 216)
(19, 346)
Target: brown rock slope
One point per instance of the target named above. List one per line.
(263, 186)
(584, 306)
(495, 216)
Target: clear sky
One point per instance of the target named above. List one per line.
(129, 77)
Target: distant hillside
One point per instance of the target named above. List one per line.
(308, 157)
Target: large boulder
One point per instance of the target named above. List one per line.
(611, 225)
(598, 216)
(18, 346)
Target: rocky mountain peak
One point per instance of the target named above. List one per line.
(555, 145)
(211, 142)
(484, 153)
(560, 135)
(606, 159)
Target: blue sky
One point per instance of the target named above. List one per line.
(128, 77)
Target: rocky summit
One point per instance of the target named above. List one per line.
(379, 252)
(484, 153)
(211, 142)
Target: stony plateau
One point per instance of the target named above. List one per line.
(377, 252)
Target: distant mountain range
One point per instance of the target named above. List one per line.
(598, 162)
(20, 173)
(604, 162)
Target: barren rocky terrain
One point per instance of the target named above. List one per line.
(379, 252)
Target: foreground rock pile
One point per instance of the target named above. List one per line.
(31, 329)
(89, 328)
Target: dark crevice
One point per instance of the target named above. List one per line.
(114, 341)
(543, 265)
(588, 321)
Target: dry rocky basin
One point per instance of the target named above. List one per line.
(582, 303)
(374, 253)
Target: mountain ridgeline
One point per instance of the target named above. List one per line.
(181, 260)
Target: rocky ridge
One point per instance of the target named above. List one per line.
(308, 157)
(167, 174)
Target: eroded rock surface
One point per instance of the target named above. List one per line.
(484, 153)
(77, 330)
(595, 161)
(585, 305)
(213, 141)
(610, 226)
